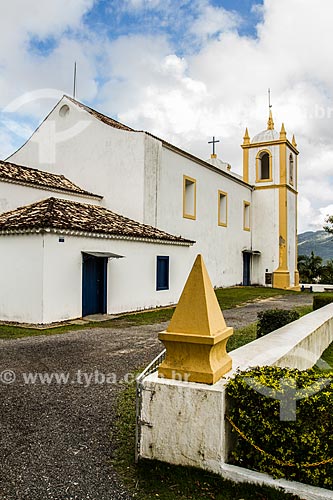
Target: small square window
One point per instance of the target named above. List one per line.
(222, 208)
(246, 216)
(162, 273)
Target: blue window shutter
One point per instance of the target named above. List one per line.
(162, 273)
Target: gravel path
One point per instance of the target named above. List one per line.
(242, 316)
(55, 438)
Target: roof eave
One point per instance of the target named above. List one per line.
(84, 194)
(73, 232)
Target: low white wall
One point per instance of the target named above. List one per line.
(297, 345)
(183, 423)
(317, 287)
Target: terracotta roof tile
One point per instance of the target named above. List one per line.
(58, 214)
(10, 172)
(100, 116)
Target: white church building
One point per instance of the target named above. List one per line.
(96, 217)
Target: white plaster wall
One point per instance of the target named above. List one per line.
(265, 208)
(99, 158)
(220, 246)
(153, 154)
(292, 232)
(182, 423)
(16, 195)
(131, 280)
(21, 280)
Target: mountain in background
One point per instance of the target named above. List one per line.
(318, 242)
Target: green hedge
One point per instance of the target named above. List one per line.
(322, 300)
(301, 443)
(272, 319)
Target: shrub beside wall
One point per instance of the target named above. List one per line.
(272, 319)
(300, 450)
(322, 300)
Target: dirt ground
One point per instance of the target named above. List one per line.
(55, 438)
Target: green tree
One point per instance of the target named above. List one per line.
(326, 274)
(310, 268)
(329, 224)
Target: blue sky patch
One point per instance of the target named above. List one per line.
(42, 47)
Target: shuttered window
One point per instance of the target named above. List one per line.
(162, 273)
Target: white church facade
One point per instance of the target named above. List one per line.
(96, 217)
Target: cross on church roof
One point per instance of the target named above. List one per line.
(213, 142)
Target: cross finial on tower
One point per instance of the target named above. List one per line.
(213, 142)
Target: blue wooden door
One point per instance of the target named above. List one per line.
(246, 269)
(94, 285)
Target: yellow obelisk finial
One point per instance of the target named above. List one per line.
(246, 138)
(293, 142)
(283, 133)
(197, 335)
(270, 123)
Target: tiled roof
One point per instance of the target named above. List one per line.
(10, 172)
(100, 116)
(58, 214)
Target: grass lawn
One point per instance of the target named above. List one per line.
(248, 333)
(227, 297)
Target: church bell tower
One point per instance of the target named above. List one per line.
(270, 166)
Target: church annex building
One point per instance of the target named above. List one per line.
(96, 217)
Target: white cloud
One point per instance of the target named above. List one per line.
(223, 88)
(190, 94)
(28, 73)
(214, 20)
(19, 20)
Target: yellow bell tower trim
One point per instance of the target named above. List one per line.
(246, 142)
(270, 123)
(246, 138)
(283, 133)
(281, 276)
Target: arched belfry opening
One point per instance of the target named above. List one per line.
(264, 166)
(291, 169)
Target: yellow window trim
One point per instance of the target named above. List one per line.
(194, 181)
(277, 186)
(258, 179)
(245, 205)
(221, 223)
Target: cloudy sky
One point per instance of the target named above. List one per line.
(183, 69)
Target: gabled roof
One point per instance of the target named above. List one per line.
(100, 116)
(71, 216)
(10, 172)
(115, 124)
